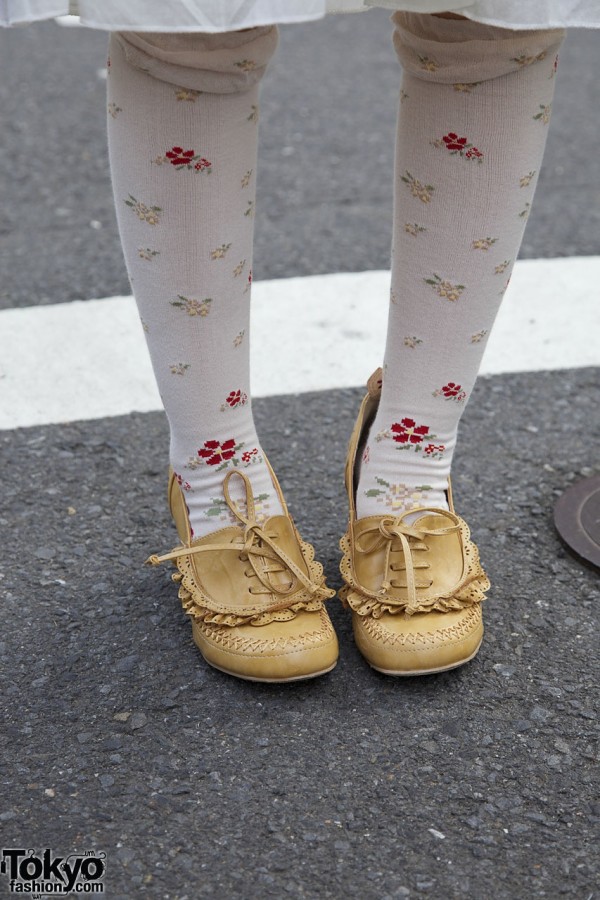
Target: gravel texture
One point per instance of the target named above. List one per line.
(116, 736)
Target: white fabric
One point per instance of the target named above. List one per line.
(229, 15)
(183, 164)
(475, 103)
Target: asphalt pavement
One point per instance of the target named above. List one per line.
(116, 737)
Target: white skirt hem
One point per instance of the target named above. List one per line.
(215, 16)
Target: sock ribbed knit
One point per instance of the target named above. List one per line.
(183, 165)
(475, 103)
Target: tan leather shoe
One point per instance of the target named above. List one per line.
(415, 590)
(254, 593)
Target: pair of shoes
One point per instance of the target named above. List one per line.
(415, 590)
(254, 593)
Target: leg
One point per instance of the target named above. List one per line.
(183, 147)
(183, 113)
(467, 160)
(474, 108)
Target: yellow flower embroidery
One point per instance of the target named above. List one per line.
(187, 94)
(246, 65)
(423, 192)
(179, 368)
(428, 64)
(483, 243)
(544, 115)
(478, 336)
(524, 60)
(220, 252)
(262, 509)
(399, 497)
(414, 229)
(525, 180)
(192, 307)
(145, 213)
(444, 288)
(147, 254)
(466, 88)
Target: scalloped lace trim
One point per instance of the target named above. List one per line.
(202, 608)
(468, 592)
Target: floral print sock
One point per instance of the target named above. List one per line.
(475, 103)
(182, 130)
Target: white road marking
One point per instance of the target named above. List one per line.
(88, 360)
(68, 21)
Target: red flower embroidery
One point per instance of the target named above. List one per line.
(183, 484)
(247, 456)
(214, 452)
(178, 156)
(250, 277)
(451, 389)
(453, 142)
(201, 164)
(236, 398)
(406, 432)
(434, 448)
(460, 146)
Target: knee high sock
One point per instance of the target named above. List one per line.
(474, 108)
(182, 131)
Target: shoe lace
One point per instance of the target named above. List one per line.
(395, 535)
(257, 547)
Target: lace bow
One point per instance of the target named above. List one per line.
(392, 534)
(388, 531)
(257, 547)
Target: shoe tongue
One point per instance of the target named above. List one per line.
(281, 530)
(422, 516)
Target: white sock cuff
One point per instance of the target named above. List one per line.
(451, 51)
(227, 63)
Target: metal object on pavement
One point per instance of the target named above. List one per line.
(577, 520)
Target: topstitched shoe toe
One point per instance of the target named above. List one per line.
(254, 593)
(415, 590)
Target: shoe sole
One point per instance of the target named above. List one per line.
(271, 680)
(413, 672)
